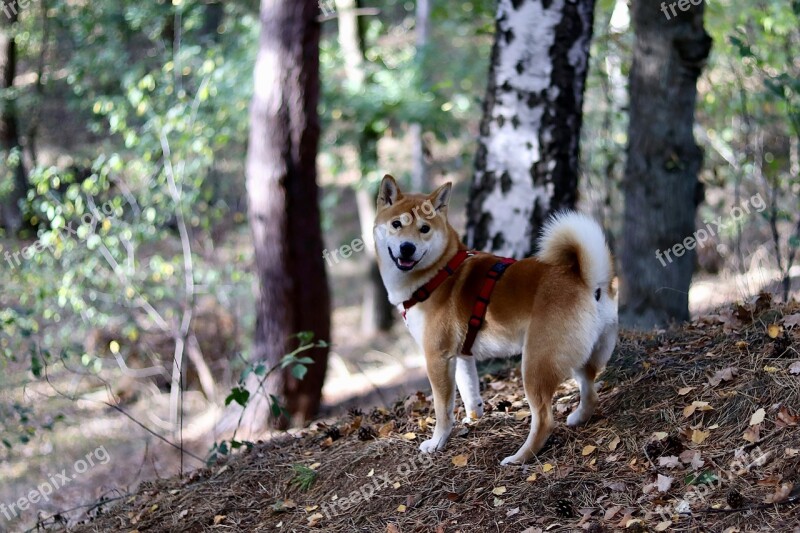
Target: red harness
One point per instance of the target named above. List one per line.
(481, 305)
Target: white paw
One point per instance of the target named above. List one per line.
(578, 417)
(473, 414)
(510, 460)
(433, 445)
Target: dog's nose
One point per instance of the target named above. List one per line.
(407, 250)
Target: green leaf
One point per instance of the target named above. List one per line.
(299, 371)
(239, 395)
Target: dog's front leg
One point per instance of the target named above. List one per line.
(441, 372)
(469, 387)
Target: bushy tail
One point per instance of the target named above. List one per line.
(575, 240)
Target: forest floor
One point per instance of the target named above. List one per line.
(697, 430)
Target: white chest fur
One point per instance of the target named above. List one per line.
(415, 322)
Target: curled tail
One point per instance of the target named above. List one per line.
(577, 241)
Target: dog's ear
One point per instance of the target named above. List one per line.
(388, 193)
(441, 197)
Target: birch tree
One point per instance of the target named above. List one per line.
(526, 164)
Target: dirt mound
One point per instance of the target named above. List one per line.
(697, 430)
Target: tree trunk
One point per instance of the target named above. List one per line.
(526, 164)
(660, 186)
(10, 212)
(377, 313)
(283, 202)
(419, 168)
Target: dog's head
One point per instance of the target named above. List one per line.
(411, 230)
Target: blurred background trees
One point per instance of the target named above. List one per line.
(143, 108)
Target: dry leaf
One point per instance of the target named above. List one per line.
(611, 512)
(401, 508)
(396, 484)
(773, 330)
(663, 483)
(696, 406)
(499, 491)
(663, 526)
(794, 368)
(522, 415)
(532, 477)
(660, 435)
(685, 390)
(460, 460)
(669, 462)
(699, 436)
(613, 444)
(310, 508)
(726, 374)
(512, 512)
(785, 418)
(758, 417)
(791, 452)
(781, 493)
(547, 467)
(386, 429)
(588, 450)
(410, 435)
(498, 502)
(791, 320)
(392, 528)
(219, 518)
(752, 434)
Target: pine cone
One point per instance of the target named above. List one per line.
(596, 528)
(366, 433)
(563, 508)
(503, 405)
(333, 432)
(735, 499)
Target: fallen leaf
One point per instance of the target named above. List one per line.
(522, 415)
(498, 502)
(396, 484)
(685, 390)
(460, 461)
(401, 508)
(315, 466)
(791, 320)
(795, 368)
(669, 462)
(512, 512)
(663, 483)
(791, 452)
(499, 491)
(532, 477)
(785, 418)
(781, 493)
(758, 417)
(752, 434)
(726, 374)
(771, 369)
(696, 406)
(392, 528)
(547, 467)
(613, 444)
(663, 526)
(773, 330)
(660, 435)
(588, 450)
(310, 508)
(699, 436)
(386, 429)
(410, 435)
(611, 512)
(219, 518)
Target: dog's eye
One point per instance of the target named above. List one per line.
(425, 229)
(397, 224)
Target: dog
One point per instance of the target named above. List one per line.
(558, 309)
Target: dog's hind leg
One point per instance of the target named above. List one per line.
(541, 379)
(441, 371)
(469, 387)
(586, 375)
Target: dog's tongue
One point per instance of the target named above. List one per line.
(406, 262)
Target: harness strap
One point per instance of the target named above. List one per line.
(424, 292)
(476, 320)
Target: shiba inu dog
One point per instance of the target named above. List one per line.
(558, 309)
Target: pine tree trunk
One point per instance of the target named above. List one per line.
(660, 186)
(283, 202)
(420, 181)
(10, 213)
(526, 164)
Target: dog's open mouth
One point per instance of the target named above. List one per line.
(405, 264)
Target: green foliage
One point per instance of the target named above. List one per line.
(303, 478)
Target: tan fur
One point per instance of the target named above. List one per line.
(542, 308)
